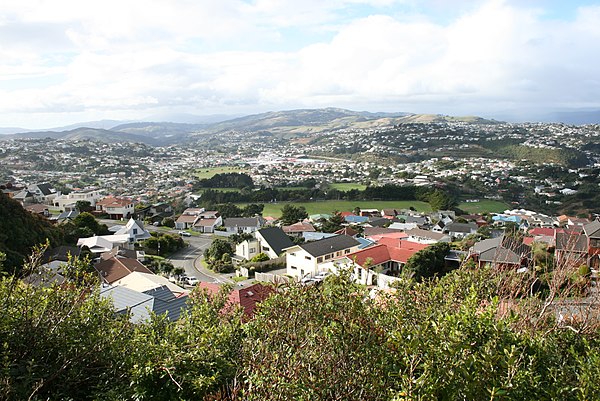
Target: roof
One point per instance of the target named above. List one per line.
(242, 222)
(115, 268)
(103, 243)
(382, 253)
(502, 250)
(141, 281)
(417, 232)
(205, 223)
(571, 242)
(466, 228)
(329, 245)
(127, 300)
(370, 231)
(378, 221)
(60, 253)
(248, 298)
(356, 219)
(186, 218)
(347, 231)
(544, 231)
(315, 236)
(276, 238)
(165, 302)
(299, 227)
(45, 189)
(37, 208)
(111, 201)
(592, 229)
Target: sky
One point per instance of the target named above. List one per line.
(68, 61)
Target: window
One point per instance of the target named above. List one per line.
(328, 256)
(266, 248)
(293, 267)
(347, 251)
(135, 231)
(292, 254)
(252, 250)
(319, 260)
(307, 258)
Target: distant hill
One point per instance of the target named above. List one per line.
(284, 124)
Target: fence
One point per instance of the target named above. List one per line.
(271, 278)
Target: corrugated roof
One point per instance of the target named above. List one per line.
(329, 245)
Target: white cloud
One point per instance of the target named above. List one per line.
(113, 58)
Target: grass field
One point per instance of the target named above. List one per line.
(326, 207)
(219, 189)
(347, 186)
(484, 205)
(211, 171)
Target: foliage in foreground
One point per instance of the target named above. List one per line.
(437, 340)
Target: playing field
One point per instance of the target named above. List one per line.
(347, 186)
(327, 207)
(484, 205)
(209, 172)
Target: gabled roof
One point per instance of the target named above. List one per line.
(383, 253)
(242, 222)
(275, 238)
(187, 218)
(127, 300)
(299, 227)
(165, 302)
(417, 232)
(205, 223)
(111, 201)
(142, 281)
(346, 231)
(502, 250)
(46, 189)
(115, 268)
(248, 298)
(60, 253)
(592, 230)
(329, 245)
(571, 242)
(466, 228)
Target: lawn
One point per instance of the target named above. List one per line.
(219, 189)
(326, 207)
(484, 205)
(347, 186)
(209, 172)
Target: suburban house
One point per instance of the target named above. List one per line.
(199, 220)
(24, 197)
(298, 229)
(116, 208)
(115, 268)
(385, 258)
(104, 243)
(270, 241)
(311, 258)
(38, 208)
(571, 248)
(243, 224)
(247, 298)
(141, 305)
(501, 252)
(134, 229)
(579, 248)
(460, 230)
(43, 193)
(141, 281)
(207, 221)
(68, 201)
(426, 236)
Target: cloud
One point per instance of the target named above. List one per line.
(107, 59)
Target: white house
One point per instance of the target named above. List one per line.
(188, 218)
(43, 193)
(243, 224)
(68, 201)
(308, 259)
(134, 229)
(116, 208)
(270, 241)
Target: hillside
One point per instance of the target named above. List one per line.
(20, 230)
(285, 124)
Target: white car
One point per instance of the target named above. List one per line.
(192, 281)
(184, 234)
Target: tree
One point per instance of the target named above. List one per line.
(229, 210)
(334, 222)
(83, 206)
(87, 220)
(252, 210)
(217, 249)
(440, 200)
(428, 262)
(168, 222)
(291, 214)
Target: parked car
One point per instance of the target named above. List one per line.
(184, 234)
(191, 281)
(156, 224)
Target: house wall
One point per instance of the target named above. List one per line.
(247, 249)
(299, 263)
